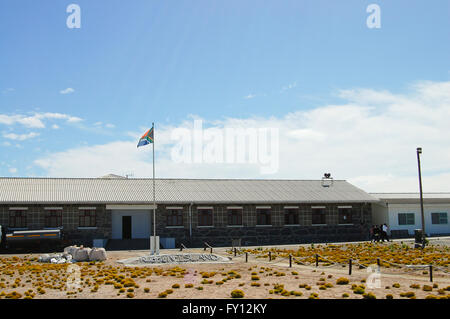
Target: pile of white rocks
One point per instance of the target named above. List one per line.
(75, 254)
(56, 258)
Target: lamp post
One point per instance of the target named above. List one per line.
(419, 151)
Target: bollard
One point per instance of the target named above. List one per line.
(349, 266)
(211, 250)
(431, 273)
(290, 260)
(270, 255)
(235, 252)
(317, 260)
(378, 262)
(246, 256)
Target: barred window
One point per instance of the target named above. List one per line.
(291, 216)
(406, 219)
(205, 217)
(263, 216)
(235, 217)
(18, 219)
(175, 217)
(53, 218)
(439, 218)
(87, 218)
(318, 216)
(345, 215)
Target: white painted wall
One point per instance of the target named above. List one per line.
(395, 209)
(140, 223)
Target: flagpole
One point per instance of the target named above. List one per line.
(154, 200)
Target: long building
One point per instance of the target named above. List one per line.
(189, 211)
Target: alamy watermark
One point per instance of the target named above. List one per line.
(229, 145)
(73, 21)
(374, 19)
(73, 281)
(374, 279)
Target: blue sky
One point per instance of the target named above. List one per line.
(131, 64)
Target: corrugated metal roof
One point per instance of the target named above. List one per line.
(137, 191)
(410, 195)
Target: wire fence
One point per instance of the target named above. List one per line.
(321, 262)
(272, 257)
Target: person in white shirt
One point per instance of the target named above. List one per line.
(384, 232)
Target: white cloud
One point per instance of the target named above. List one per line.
(250, 96)
(20, 137)
(67, 91)
(370, 140)
(37, 120)
(109, 125)
(55, 126)
(12, 170)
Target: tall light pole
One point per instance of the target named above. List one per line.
(419, 151)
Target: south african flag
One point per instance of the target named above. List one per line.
(147, 138)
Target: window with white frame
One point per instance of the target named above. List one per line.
(406, 219)
(234, 216)
(205, 217)
(175, 217)
(17, 218)
(263, 216)
(439, 218)
(291, 216)
(318, 216)
(53, 218)
(345, 215)
(87, 218)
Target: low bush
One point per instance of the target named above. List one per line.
(237, 293)
(369, 296)
(342, 281)
(408, 294)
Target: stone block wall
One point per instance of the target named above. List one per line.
(70, 221)
(221, 234)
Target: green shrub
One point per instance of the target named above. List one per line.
(237, 294)
(358, 290)
(408, 294)
(369, 296)
(427, 288)
(342, 281)
(162, 294)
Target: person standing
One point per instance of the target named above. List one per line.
(384, 232)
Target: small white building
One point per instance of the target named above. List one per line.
(402, 213)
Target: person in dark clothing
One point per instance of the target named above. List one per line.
(377, 233)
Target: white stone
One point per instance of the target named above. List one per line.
(81, 254)
(97, 254)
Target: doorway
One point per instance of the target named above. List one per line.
(126, 227)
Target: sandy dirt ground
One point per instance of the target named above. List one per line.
(297, 282)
